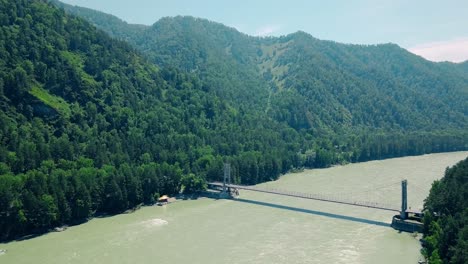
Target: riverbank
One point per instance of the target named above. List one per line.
(190, 231)
(194, 196)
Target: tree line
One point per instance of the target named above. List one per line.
(446, 217)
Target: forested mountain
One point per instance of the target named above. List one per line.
(446, 218)
(323, 84)
(359, 99)
(91, 124)
(114, 26)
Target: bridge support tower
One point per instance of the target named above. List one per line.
(226, 193)
(404, 199)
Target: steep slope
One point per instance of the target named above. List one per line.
(369, 101)
(380, 86)
(389, 88)
(89, 126)
(221, 56)
(323, 85)
(185, 45)
(113, 25)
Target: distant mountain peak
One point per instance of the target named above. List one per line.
(322, 74)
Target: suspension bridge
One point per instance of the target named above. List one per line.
(229, 190)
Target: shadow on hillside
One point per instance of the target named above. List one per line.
(308, 211)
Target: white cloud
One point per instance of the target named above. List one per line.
(454, 50)
(267, 30)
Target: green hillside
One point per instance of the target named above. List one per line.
(89, 126)
(321, 84)
(114, 26)
(367, 101)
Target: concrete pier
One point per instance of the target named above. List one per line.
(409, 224)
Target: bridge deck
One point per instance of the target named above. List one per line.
(318, 197)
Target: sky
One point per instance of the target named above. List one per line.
(434, 29)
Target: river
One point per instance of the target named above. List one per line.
(259, 227)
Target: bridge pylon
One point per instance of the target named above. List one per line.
(404, 199)
(226, 181)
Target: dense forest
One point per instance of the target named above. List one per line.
(358, 99)
(99, 121)
(89, 126)
(446, 218)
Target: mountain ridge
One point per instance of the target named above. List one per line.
(306, 69)
(327, 52)
(74, 9)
